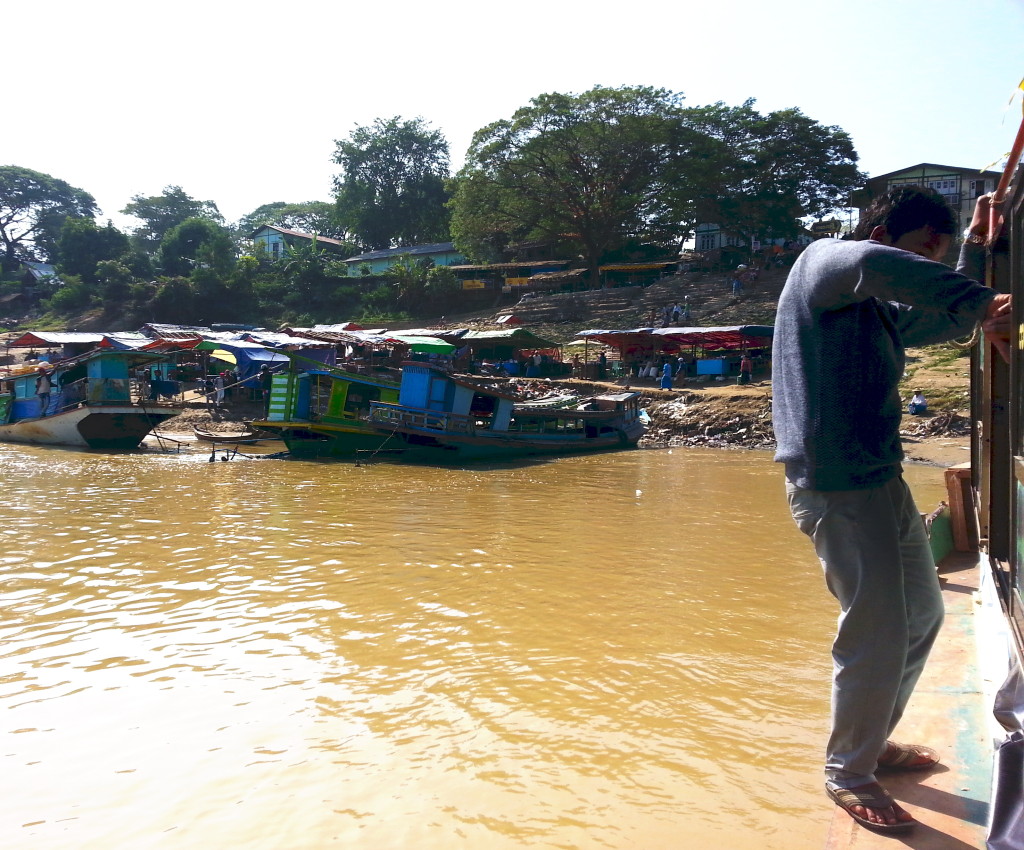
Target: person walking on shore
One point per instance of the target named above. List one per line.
(846, 314)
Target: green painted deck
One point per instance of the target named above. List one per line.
(948, 711)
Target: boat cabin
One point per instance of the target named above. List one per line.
(428, 388)
(96, 379)
(324, 395)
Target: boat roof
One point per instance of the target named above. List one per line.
(520, 336)
(35, 339)
(734, 336)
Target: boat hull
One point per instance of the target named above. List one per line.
(247, 438)
(418, 447)
(309, 440)
(116, 428)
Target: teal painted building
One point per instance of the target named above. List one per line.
(439, 253)
(277, 241)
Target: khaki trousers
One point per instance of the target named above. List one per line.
(874, 550)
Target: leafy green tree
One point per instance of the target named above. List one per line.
(443, 289)
(588, 169)
(391, 190)
(197, 242)
(175, 300)
(82, 245)
(162, 213)
(115, 280)
(760, 174)
(608, 168)
(33, 207)
(72, 295)
(313, 275)
(420, 286)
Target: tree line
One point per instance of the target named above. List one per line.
(603, 175)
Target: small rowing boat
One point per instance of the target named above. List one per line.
(226, 437)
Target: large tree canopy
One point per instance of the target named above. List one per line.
(82, 245)
(197, 243)
(391, 191)
(613, 166)
(33, 207)
(162, 213)
(586, 168)
(762, 173)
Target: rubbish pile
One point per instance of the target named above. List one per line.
(691, 420)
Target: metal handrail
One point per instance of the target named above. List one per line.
(382, 413)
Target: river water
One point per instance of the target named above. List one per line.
(624, 650)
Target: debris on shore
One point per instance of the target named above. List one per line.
(718, 421)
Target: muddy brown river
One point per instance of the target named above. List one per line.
(624, 650)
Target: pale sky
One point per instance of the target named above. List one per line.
(240, 103)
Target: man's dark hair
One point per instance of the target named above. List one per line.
(906, 208)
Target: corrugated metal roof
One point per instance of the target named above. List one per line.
(414, 250)
(32, 339)
(298, 233)
(531, 264)
(279, 340)
(736, 336)
(518, 336)
(636, 267)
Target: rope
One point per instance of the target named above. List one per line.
(968, 342)
(381, 446)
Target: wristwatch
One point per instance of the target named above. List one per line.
(973, 238)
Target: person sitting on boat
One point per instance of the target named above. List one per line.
(918, 404)
(44, 383)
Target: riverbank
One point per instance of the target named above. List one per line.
(711, 415)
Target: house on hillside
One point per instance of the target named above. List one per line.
(719, 247)
(961, 187)
(439, 253)
(33, 272)
(277, 241)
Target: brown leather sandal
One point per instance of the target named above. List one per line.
(869, 799)
(904, 756)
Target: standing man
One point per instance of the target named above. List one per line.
(846, 314)
(266, 379)
(44, 384)
(738, 278)
(746, 368)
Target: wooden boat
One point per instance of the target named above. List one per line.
(322, 412)
(91, 403)
(442, 417)
(236, 437)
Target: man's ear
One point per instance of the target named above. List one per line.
(880, 234)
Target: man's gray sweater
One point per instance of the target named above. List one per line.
(846, 314)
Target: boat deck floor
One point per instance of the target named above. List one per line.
(948, 712)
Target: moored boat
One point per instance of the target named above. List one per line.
(234, 437)
(91, 403)
(322, 412)
(440, 416)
